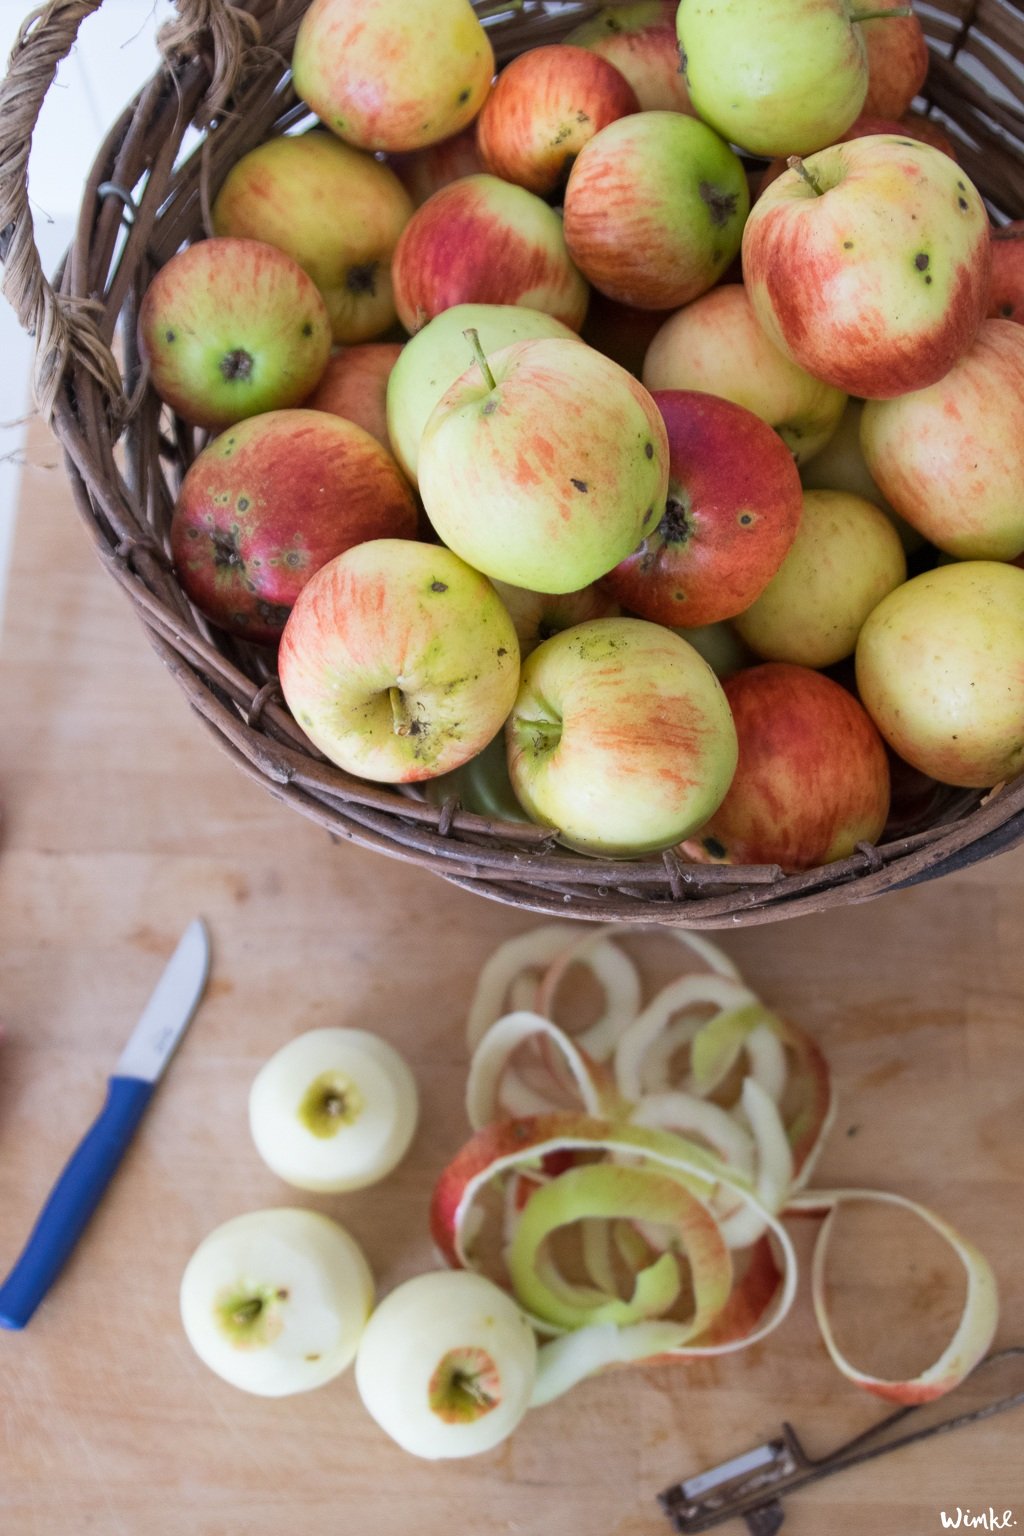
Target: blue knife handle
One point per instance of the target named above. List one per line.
(73, 1199)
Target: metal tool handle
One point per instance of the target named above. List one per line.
(73, 1199)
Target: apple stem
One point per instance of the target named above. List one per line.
(247, 1311)
(473, 337)
(796, 164)
(897, 10)
(470, 1385)
(400, 716)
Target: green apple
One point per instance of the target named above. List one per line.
(288, 192)
(334, 1109)
(845, 558)
(940, 669)
(399, 661)
(438, 354)
(951, 457)
(392, 74)
(716, 345)
(782, 77)
(275, 1301)
(544, 465)
(620, 738)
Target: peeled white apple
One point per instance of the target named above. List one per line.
(275, 1301)
(446, 1365)
(334, 1109)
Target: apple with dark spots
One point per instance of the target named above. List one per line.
(897, 59)
(620, 739)
(544, 464)
(437, 355)
(812, 779)
(269, 502)
(545, 105)
(289, 191)
(230, 328)
(868, 265)
(715, 345)
(392, 75)
(940, 668)
(865, 127)
(355, 385)
(845, 558)
(1006, 296)
(730, 518)
(654, 209)
(640, 40)
(426, 171)
(399, 661)
(481, 240)
(950, 458)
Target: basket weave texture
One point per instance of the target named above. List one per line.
(226, 74)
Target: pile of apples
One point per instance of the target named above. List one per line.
(613, 582)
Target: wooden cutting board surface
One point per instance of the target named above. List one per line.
(120, 822)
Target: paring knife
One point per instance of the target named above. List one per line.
(91, 1166)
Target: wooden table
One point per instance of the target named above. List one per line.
(120, 823)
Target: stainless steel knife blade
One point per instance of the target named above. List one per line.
(170, 1008)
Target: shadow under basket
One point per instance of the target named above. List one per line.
(225, 84)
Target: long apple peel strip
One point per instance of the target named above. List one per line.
(494, 1088)
(687, 992)
(537, 949)
(452, 1220)
(973, 1333)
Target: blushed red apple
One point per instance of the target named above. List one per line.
(269, 502)
(732, 513)
(545, 105)
(483, 241)
(897, 60)
(640, 40)
(425, 171)
(1006, 296)
(812, 779)
(355, 385)
(654, 209)
(869, 265)
(231, 328)
(950, 458)
(716, 345)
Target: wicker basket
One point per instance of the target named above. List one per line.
(226, 73)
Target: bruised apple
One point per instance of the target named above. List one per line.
(620, 738)
(812, 779)
(731, 515)
(269, 502)
(399, 661)
(868, 265)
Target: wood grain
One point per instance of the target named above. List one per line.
(111, 1426)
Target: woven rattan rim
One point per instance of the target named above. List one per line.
(225, 72)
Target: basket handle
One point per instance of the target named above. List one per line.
(62, 324)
